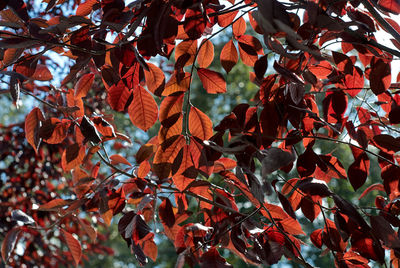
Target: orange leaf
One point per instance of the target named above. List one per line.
(54, 205)
(32, 124)
(143, 110)
(119, 159)
(167, 132)
(85, 8)
(83, 86)
(186, 47)
(59, 130)
(155, 79)
(251, 41)
(72, 102)
(171, 109)
(144, 169)
(166, 155)
(72, 156)
(229, 56)
(226, 19)
(239, 27)
(145, 151)
(206, 54)
(181, 182)
(74, 246)
(213, 82)
(200, 124)
(150, 249)
(175, 85)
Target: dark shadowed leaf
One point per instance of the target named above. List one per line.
(212, 259)
(20, 216)
(348, 209)
(166, 213)
(384, 231)
(9, 242)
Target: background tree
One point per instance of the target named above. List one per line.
(323, 83)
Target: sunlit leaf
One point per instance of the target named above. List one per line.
(213, 82)
(143, 110)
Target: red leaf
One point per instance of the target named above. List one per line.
(375, 186)
(32, 124)
(390, 5)
(212, 259)
(321, 70)
(143, 110)
(164, 157)
(229, 56)
(42, 73)
(118, 95)
(83, 85)
(200, 124)
(316, 238)
(213, 82)
(74, 246)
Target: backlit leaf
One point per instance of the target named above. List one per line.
(143, 110)
(206, 54)
(85, 8)
(229, 56)
(200, 124)
(72, 156)
(189, 47)
(83, 85)
(239, 27)
(118, 96)
(176, 85)
(213, 82)
(119, 159)
(155, 79)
